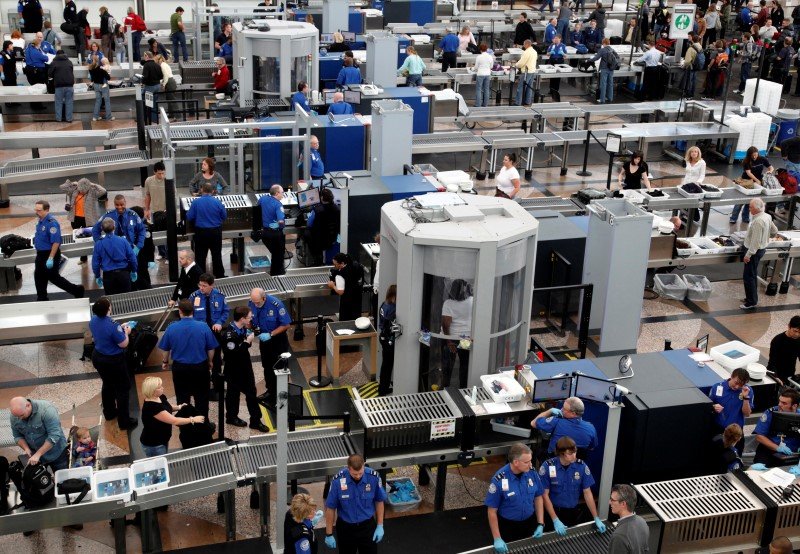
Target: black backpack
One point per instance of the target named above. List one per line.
(11, 243)
(197, 434)
(35, 483)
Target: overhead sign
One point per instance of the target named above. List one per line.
(682, 20)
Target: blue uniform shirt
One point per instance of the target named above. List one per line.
(317, 167)
(592, 36)
(271, 315)
(132, 227)
(112, 253)
(566, 484)
(340, 108)
(355, 502)
(207, 212)
(723, 394)
(762, 428)
(449, 43)
(557, 52)
(300, 98)
(48, 233)
(271, 211)
(348, 76)
(189, 341)
(219, 308)
(42, 425)
(35, 57)
(513, 495)
(582, 432)
(549, 32)
(107, 334)
(302, 546)
(576, 37)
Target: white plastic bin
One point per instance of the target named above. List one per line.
(735, 354)
(62, 475)
(670, 286)
(112, 484)
(698, 287)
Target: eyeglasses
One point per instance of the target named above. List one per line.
(617, 500)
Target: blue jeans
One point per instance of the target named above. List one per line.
(746, 66)
(101, 95)
(562, 28)
(64, 96)
(155, 89)
(548, 3)
(150, 451)
(606, 86)
(482, 90)
(121, 56)
(750, 278)
(526, 84)
(745, 214)
(136, 37)
(179, 39)
(690, 77)
(414, 80)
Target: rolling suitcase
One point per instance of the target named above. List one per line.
(141, 342)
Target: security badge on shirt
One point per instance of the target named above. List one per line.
(197, 305)
(343, 487)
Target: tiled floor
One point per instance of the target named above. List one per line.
(51, 370)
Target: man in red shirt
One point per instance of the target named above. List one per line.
(138, 27)
(221, 76)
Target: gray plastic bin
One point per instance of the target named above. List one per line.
(670, 286)
(698, 287)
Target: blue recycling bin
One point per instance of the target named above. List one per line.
(787, 124)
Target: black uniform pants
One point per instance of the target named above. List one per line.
(387, 365)
(568, 516)
(117, 281)
(449, 359)
(449, 59)
(192, 381)
(143, 282)
(206, 240)
(241, 381)
(42, 275)
(650, 83)
(275, 241)
(115, 391)
(352, 538)
(516, 530)
(271, 351)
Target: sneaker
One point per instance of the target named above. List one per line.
(95, 119)
(732, 222)
(747, 306)
(112, 118)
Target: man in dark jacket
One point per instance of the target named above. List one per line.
(151, 81)
(523, 31)
(598, 15)
(60, 71)
(32, 15)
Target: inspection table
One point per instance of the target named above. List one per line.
(367, 339)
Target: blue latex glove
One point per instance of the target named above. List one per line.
(274, 226)
(49, 263)
(556, 412)
(560, 528)
(133, 324)
(500, 546)
(330, 542)
(600, 525)
(134, 276)
(264, 337)
(794, 470)
(135, 250)
(377, 536)
(317, 517)
(758, 467)
(338, 239)
(99, 282)
(783, 449)
(151, 265)
(539, 531)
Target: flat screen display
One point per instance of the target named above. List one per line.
(558, 388)
(591, 388)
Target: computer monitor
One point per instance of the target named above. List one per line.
(348, 37)
(307, 198)
(329, 96)
(786, 424)
(296, 400)
(326, 38)
(557, 388)
(352, 96)
(592, 388)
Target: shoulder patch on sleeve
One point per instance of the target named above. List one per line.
(492, 488)
(764, 417)
(549, 419)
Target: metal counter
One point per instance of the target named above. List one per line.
(69, 317)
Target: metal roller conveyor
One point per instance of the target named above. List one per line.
(22, 171)
(437, 143)
(555, 203)
(497, 113)
(300, 283)
(129, 135)
(581, 539)
(787, 518)
(289, 198)
(238, 206)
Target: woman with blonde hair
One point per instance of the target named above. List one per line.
(412, 68)
(339, 45)
(298, 525)
(465, 38)
(157, 418)
(167, 81)
(695, 166)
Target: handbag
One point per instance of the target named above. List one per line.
(74, 486)
(67, 205)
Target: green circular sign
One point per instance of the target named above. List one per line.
(683, 22)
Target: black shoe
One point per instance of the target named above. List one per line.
(258, 426)
(213, 395)
(27, 533)
(238, 422)
(76, 527)
(81, 292)
(130, 424)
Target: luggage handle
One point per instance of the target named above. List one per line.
(163, 319)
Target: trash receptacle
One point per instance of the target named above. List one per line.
(698, 287)
(670, 286)
(787, 124)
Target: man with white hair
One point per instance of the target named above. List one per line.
(45, 46)
(567, 422)
(339, 106)
(36, 428)
(755, 243)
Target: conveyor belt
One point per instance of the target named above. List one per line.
(128, 135)
(6, 435)
(582, 539)
(195, 464)
(511, 138)
(272, 102)
(498, 113)
(436, 143)
(555, 203)
(230, 201)
(481, 396)
(293, 282)
(63, 166)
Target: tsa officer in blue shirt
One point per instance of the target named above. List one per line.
(210, 306)
(113, 261)
(348, 74)
(273, 220)
(47, 242)
(565, 478)
(317, 166)
(299, 98)
(191, 345)
(339, 106)
(770, 447)
(272, 321)
(127, 224)
(207, 213)
(514, 500)
(356, 500)
(567, 422)
(449, 47)
(108, 358)
(733, 399)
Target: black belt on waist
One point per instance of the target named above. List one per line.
(369, 521)
(110, 356)
(114, 270)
